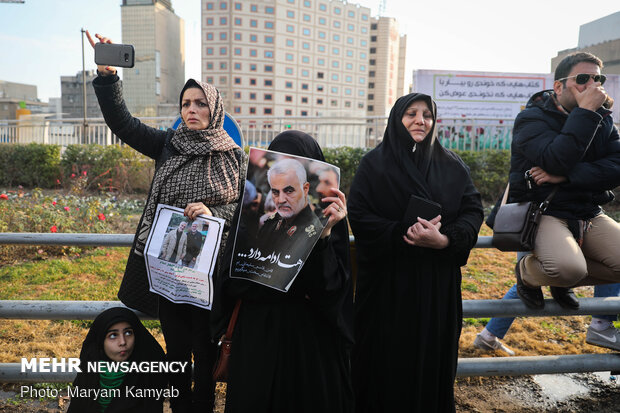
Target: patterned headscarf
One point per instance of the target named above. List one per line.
(204, 170)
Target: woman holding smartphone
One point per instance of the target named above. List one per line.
(408, 297)
(198, 167)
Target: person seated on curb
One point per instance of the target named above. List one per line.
(601, 331)
(566, 137)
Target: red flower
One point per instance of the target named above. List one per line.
(58, 181)
(67, 209)
(77, 209)
(54, 228)
(101, 216)
(4, 196)
(53, 202)
(72, 175)
(84, 173)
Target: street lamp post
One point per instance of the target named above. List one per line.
(84, 124)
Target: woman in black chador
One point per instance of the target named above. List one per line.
(290, 350)
(117, 335)
(408, 297)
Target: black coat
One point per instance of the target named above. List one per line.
(584, 146)
(156, 144)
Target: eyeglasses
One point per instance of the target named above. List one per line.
(583, 78)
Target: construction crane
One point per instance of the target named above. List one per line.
(12, 1)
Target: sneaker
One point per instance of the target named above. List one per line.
(532, 297)
(608, 338)
(486, 345)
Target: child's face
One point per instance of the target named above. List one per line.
(119, 341)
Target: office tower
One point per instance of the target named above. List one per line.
(287, 57)
(152, 86)
(72, 96)
(386, 81)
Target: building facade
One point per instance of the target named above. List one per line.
(287, 57)
(152, 86)
(600, 37)
(387, 65)
(15, 96)
(72, 96)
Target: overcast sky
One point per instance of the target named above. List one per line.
(40, 40)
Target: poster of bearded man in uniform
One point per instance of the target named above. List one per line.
(274, 253)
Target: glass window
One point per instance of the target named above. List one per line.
(223, 5)
(253, 96)
(335, 63)
(237, 21)
(237, 109)
(304, 86)
(237, 66)
(334, 89)
(305, 59)
(335, 76)
(223, 36)
(288, 112)
(268, 25)
(320, 62)
(267, 111)
(267, 96)
(362, 55)
(237, 95)
(253, 67)
(290, 28)
(290, 14)
(347, 91)
(288, 70)
(253, 23)
(290, 43)
(350, 53)
(306, 32)
(307, 3)
(288, 98)
(319, 101)
(350, 27)
(268, 39)
(210, 79)
(336, 10)
(319, 88)
(364, 30)
(348, 79)
(223, 51)
(209, 6)
(363, 43)
(350, 40)
(305, 45)
(365, 17)
(361, 93)
(209, 21)
(320, 75)
(335, 50)
(209, 50)
(288, 85)
(253, 83)
(321, 35)
(351, 13)
(269, 10)
(237, 81)
(322, 20)
(288, 56)
(306, 17)
(254, 8)
(349, 66)
(237, 51)
(268, 53)
(322, 7)
(336, 24)
(223, 21)
(209, 36)
(253, 53)
(268, 68)
(336, 37)
(252, 110)
(223, 65)
(305, 73)
(304, 113)
(362, 68)
(321, 48)
(209, 65)
(237, 6)
(237, 36)
(304, 99)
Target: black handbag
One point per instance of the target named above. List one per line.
(516, 224)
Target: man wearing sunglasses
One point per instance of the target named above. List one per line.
(566, 138)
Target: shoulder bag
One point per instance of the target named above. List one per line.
(220, 368)
(516, 224)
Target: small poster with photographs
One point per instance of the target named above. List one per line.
(281, 217)
(181, 254)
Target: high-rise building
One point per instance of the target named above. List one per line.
(14, 96)
(287, 57)
(152, 86)
(387, 65)
(72, 96)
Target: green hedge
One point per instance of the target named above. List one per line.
(122, 168)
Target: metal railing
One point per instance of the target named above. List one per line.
(454, 133)
(485, 366)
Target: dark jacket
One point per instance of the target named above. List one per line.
(583, 146)
(156, 144)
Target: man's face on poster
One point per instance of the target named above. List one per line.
(288, 194)
(182, 225)
(328, 179)
(194, 226)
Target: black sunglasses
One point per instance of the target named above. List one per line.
(583, 78)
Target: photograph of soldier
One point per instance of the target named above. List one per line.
(195, 239)
(173, 248)
(285, 237)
